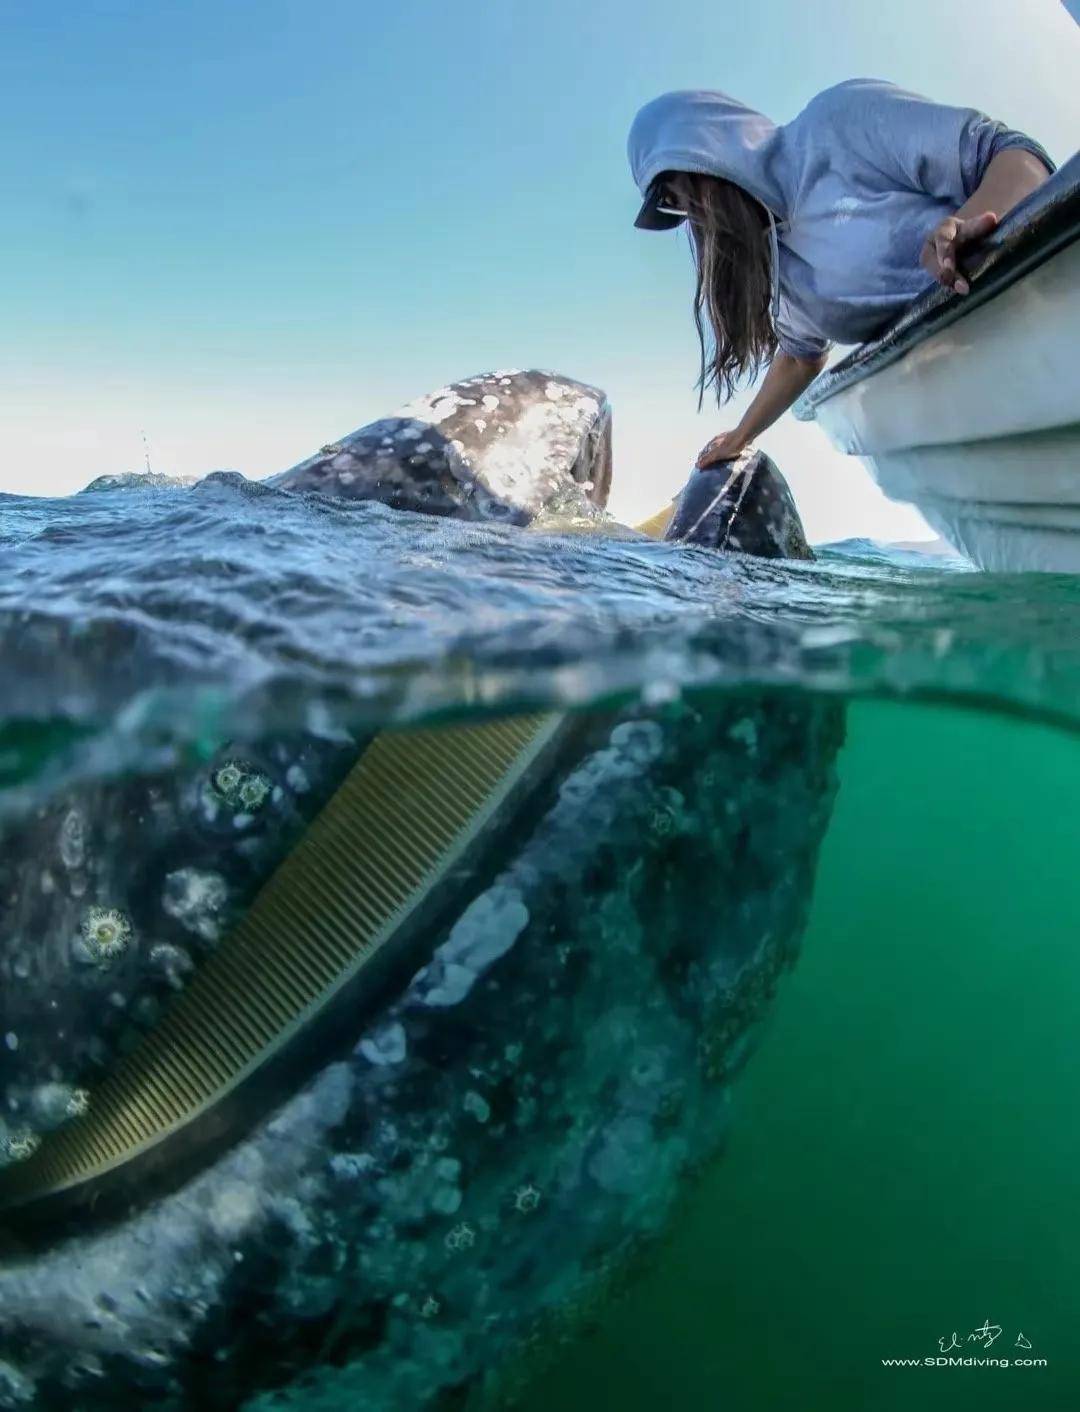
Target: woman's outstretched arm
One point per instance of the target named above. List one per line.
(786, 380)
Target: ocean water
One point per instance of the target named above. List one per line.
(904, 1168)
(861, 1147)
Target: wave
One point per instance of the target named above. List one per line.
(134, 625)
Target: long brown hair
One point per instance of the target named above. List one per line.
(729, 239)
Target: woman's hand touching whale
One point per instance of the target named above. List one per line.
(724, 447)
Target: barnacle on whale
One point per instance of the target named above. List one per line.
(241, 785)
(461, 1237)
(526, 1198)
(196, 898)
(253, 791)
(228, 779)
(106, 934)
(18, 1144)
(78, 1103)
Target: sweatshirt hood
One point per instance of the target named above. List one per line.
(696, 130)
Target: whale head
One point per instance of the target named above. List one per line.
(742, 507)
(506, 446)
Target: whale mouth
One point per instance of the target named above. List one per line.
(344, 920)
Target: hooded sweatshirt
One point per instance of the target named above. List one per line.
(853, 186)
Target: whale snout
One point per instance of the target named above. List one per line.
(741, 507)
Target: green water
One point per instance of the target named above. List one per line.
(906, 1155)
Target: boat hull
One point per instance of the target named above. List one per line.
(1038, 529)
(971, 410)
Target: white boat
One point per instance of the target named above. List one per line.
(969, 407)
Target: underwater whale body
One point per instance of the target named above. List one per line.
(348, 1073)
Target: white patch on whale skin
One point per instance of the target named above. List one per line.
(486, 930)
(436, 407)
(520, 442)
(196, 898)
(388, 1045)
(745, 731)
(232, 1209)
(444, 405)
(539, 446)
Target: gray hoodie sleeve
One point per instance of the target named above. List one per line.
(795, 336)
(986, 138)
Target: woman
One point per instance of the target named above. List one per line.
(822, 230)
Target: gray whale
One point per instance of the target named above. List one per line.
(469, 1176)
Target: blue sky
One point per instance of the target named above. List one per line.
(248, 228)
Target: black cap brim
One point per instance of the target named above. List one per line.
(650, 217)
